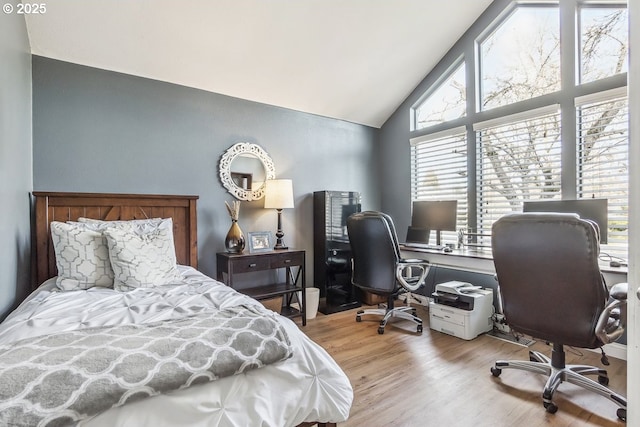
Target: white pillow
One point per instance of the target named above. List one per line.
(82, 257)
(139, 226)
(142, 260)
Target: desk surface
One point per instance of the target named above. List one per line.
(476, 260)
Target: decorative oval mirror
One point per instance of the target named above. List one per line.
(244, 168)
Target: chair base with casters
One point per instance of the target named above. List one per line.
(404, 312)
(557, 372)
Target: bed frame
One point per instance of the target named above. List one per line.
(109, 207)
(71, 206)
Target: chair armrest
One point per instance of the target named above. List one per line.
(413, 261)
(613, 319)
(412, 282)
(619, 291)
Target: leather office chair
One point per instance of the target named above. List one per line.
(552, 289)
(378, 267)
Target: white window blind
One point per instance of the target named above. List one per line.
(439, 172)
(603, 161)
(516, 161)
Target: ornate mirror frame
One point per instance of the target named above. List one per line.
(240, 149)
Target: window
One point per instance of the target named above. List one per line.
(530, 135)
(439, 172)
(446, 102)
(604, 38)
(521, 58)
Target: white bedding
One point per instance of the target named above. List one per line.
(310, 386)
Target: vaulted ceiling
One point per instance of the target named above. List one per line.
(354, 60)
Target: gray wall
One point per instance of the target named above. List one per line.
(15, 160)
(101, 131)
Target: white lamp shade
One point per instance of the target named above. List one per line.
(278, 194)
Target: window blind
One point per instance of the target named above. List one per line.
(439, 172)
(603, 162)
(516, 161)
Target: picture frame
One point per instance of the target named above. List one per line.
(260, 241)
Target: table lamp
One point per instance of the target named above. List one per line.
(278, 195)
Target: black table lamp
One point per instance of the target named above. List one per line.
(278, 195)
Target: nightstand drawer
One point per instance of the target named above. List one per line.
(244, 265)
(287, 260)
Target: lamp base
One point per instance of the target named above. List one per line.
(280, 234)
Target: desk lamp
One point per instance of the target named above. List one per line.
(278, 195)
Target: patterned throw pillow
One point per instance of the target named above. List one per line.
(140, 226)
(142, 260)
(82, 257)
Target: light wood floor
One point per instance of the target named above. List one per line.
(404, 379)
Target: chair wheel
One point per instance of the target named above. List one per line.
(603, 380)
(381, 330)
(419, 329)
(550, 407)
(496, 371)
(358, 319)
(622, 414)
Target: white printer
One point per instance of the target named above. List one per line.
(461, 309)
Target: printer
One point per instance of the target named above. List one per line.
(461, 309)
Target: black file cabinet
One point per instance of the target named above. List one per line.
(332, 252)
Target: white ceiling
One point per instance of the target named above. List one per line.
(354, 60)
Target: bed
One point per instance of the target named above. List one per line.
(208, 355)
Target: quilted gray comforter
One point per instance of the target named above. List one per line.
(58, 379)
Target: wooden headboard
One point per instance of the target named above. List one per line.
(71, 206)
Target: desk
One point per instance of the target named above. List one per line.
(291, 260)
(477, 261)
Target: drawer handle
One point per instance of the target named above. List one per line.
(252, 265)
(287, 261)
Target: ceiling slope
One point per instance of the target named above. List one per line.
(354, 60)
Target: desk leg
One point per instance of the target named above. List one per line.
(304, 305)
(224, 268)
(291, 279)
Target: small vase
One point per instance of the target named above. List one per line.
(234, 242)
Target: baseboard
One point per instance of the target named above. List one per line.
(617, 350)
(509, 337)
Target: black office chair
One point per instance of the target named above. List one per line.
(378, 267)
(552, 289)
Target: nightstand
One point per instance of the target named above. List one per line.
(292, 260)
